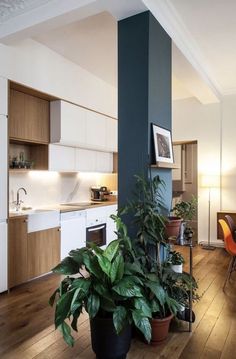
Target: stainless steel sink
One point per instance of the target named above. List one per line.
(81, 204)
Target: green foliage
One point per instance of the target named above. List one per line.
(165, 290)
(176, 258)
(186, 209)
(113, 286)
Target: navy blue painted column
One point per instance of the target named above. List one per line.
(144, 97)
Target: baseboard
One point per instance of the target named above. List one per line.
(218, 244)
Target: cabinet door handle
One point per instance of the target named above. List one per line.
(25, 220)
(95, 229)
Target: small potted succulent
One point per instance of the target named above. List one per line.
(176, 260)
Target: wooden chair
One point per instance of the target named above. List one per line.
(230, 247)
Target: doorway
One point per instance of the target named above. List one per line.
(185, 177)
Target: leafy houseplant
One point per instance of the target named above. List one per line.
(164, 289)
(186, 210)
(111, 293)
(146, 208)
(176, 260)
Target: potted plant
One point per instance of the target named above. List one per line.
(111, 292)
(186, 210)
(176, 260)
(172, 228)
(161, 283)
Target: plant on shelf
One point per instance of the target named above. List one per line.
(161, 283)
(112, 293)
(176, 260)
(186, 210)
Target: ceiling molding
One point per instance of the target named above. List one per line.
(229, 91)
(41, 18)
(170, 20)
(12, 8)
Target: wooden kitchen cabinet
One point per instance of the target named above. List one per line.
(17, 251)
(43, 251)
(29, 118)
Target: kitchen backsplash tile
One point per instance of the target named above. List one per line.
(47, 188)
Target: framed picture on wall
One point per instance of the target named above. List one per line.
(162, 144)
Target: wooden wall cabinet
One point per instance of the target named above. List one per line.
(29, 118)
(30, 254)
(17, 251)
(43, 251)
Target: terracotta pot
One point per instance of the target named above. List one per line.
(160, 329)
(173, 227)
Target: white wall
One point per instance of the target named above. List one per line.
(229, 153)
(46, 188)
(194, 121)
(36, 66)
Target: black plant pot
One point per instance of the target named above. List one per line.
(106, 343)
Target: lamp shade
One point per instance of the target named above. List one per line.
(210, 181)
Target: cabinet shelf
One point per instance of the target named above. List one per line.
(172, 166)
(37, 154)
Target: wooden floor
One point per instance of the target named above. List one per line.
(27, 331)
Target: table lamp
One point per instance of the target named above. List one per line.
(209, 181)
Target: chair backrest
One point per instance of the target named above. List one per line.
(231, 223)
(230, 245)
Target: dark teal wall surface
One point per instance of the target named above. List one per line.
(144, 97)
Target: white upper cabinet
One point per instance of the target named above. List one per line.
(68, 123)
(61, 158)
(75, 126)
(112, 131)
(96, 130)
(93, 161)
(3, 96)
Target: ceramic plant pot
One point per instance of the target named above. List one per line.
(106, 343)
(173, 227)
(160, 329)
(177, 268)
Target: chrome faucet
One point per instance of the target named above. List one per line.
(18, 200)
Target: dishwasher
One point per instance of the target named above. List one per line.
(73, 231)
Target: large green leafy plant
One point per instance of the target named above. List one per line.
(186, 209)
(165, 290)
(112, 286)
(146, 208)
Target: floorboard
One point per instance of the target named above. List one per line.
(27, 330)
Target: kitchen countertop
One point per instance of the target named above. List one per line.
(67, 208)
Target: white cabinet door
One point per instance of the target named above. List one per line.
(3, 257)
(85, 160)
(61, 158)
(95, 130)
(68, 124)
(73, 234)
(111, 226)
(3, 167)
(93, 161)
(104, 162)
(73, 124)
(3, 96)
(112, 135)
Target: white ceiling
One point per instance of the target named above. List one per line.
(204, 32)
(212, 25)
(90, 43)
